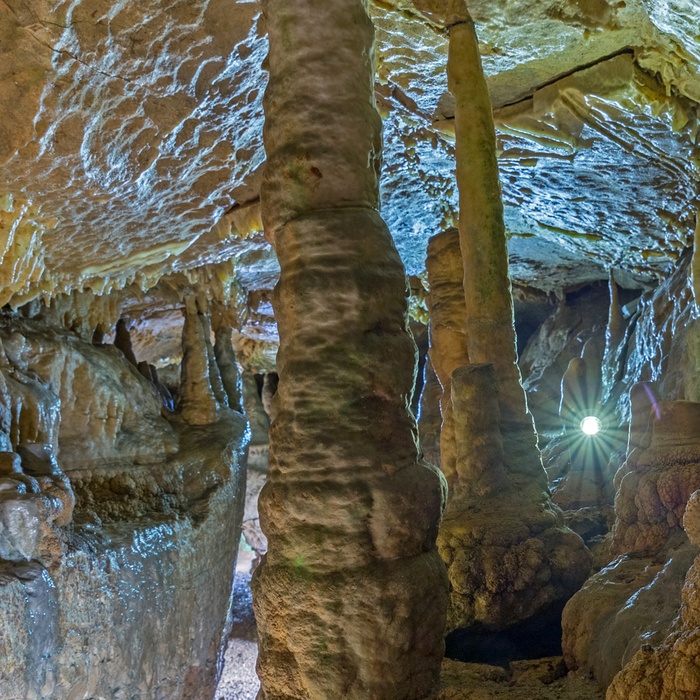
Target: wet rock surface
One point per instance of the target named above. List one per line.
(175, 95)
(116, 572)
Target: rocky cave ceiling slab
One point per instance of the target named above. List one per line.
(131, 135)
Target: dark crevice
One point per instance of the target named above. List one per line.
(536, 638)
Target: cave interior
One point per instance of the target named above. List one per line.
(349, 349)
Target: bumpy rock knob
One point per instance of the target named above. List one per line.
(691, 519)
(19, 528)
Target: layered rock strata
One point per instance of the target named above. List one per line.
(350, 598)
(508, 551)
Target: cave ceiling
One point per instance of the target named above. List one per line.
(131, 137)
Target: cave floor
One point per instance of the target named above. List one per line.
(238, 679)
(477, 682)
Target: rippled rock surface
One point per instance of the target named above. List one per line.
(119, 525)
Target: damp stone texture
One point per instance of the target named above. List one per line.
(350, 598)
(508, 551)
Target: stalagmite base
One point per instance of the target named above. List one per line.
(351, 596)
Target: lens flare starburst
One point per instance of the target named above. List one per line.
(591, 425)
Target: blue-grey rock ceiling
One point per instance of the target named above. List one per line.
(131, 136)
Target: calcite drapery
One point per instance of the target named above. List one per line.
(508, 552)
(350, 598)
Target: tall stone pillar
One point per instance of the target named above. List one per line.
(489, 322)
(350, 599)
(509, 554)
(448, 336)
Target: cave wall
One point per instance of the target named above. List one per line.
(119, 522)
(635, 605)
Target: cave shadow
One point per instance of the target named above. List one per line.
(538, 637)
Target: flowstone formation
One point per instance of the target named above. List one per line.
(119, 518)
(671, 671)
(350, 598)
(632, 603)
(509, 554)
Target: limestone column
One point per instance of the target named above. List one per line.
(448, 337)
(350, 598)
(509, 554)
(490, 327)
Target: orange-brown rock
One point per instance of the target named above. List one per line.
(350, 598)
(448, 340)
(199, 403)
(671, 670)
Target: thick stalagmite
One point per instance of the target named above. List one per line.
(508, 552)
(351, 596)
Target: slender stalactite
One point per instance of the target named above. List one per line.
(350, 599)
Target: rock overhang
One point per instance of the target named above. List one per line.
(132, 137)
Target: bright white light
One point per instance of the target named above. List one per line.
(591, 425)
